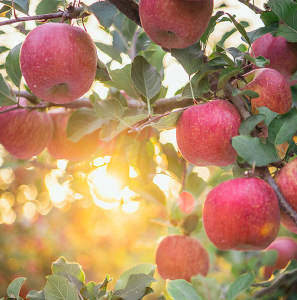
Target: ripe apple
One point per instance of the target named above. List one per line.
(62, 148)
(287, 250)
(286, 179)
(241, 214)
(186, 202)
(204, 133)
(175, 23)
(273, 89)
(181, 257)
(25, 132)
(58, 62)
(281, 53)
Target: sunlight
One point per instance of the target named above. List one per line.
(169, 136)
(203, 172)
(57, 193)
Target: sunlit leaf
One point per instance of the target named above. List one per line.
(240, 285)
(14, 287)
(207, 288)
(111, 51)
(36, 295)
(180, 289)
(20, 5)
(104, 12)
(109, 109)
(168, 122)
(12, 65)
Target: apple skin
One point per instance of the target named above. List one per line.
(287, 250)
(241, 214)
(273, 89)
(186, 202)
(204, 133)
(25, 133)
(286, 179)
(175, 23)
(181, 257)
(58, 62)
(281, 53)
(62, 148)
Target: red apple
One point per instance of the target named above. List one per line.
(181, 257)
(25, 132)
(287, 250)
(58, 62)
(175, 23)
(62, 148)
(241, 214)
(186, 202)
(281, 53)
(204, 133)
(273, 89)
(286, 179)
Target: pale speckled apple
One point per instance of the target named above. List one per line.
(204, 133)
(281, 53)
(25, 133)
(181, 257)
(241, 214)
(286, 179)
(175, 23)
(60, 147)
(58, 62)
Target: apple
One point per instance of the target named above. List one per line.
(281, 53)
(62, 148)
(241, 214)
(273, 89)
(204, 133)
(287, 250)
(186, 202)
(25, 132)
(286, 179)
(58, 62)
(175, 23)
(181, 257)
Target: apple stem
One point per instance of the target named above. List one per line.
(13, 8)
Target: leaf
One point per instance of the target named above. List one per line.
(240, 285)
(3, 49)
(283, 127)
(180, 289)
(14, 287)
(227, 34)
(109, 109)
(168, 122)
(212, 66)
(291, 149)
(190, 58)
(20, 5)
(252, 150)
(144, 268)
(145, 77)
(248, 93)
(104, 12)
(269, 17)
(12, 65)
(255, 34)
(195, 184)
(6, 99)
(101, 71)
(81, 122)
(88, 291)
(111, 51)
(71, 271)
(287, 32)
(207, 288)
(259, 61)
(58, 287)
(46, 6)
(227, 74)
(6, 12)
(247, 126)
(36, 295)
(270, 115)
(136, 287)
(240, 28)
(211, 26)
(145, 155)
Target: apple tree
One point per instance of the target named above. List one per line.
(234, 118)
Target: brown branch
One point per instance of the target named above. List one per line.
(256, 9)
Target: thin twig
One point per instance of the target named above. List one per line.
(254, 8)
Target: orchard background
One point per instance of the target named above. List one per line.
(107, 212)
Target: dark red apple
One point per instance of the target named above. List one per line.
(181, 257)
(204, 133)
(175, 23)
(241, 214)
(62, 148)
(25, 132)
(58, 62)
(281, 53)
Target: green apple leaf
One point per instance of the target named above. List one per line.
(47, 6)
(180, 289)
(14, 287)
(211, 25)
(145, 77)
(3, 49)
(58, 287)
(255, 34)
(109, 109)
(252, 150)
(283, 127)
(236, 53)
(102, 73)
(168, 122)
(12, 65)
(207, 288)
(291, 149)
(269, 17)
(195, 184)
(227, 74)
(6, 12)
(287, 32)
(121, 79)
(240, 28)
(259, 61)
(111, 51)
(190, 58)
(88, 291)
(37, 295)
(227, 59)
(100, 289)
(20, 5)
(6, 99)
(247, 126)
(248, 93)
(240, 285)
(270, 115)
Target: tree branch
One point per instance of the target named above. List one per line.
(256, 9)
